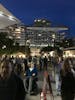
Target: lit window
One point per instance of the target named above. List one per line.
(39, 34)
(53, 36)
(39, 20)
(43, 21)
(35, 20)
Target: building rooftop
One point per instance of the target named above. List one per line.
(7, 18)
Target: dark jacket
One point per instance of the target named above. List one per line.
(67, 83)
(12, 88)
(30, 73)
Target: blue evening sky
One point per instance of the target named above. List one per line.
(59, 12)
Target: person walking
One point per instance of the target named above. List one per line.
(11, 86)
(67, 81)
(57, 75)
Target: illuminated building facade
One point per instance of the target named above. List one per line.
(33, 36)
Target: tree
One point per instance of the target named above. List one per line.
(5, 42)
(67, 43)
(27, 50)
(47, 49)
(2, 39)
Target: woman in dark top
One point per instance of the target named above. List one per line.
(67, 82)
(11, 86)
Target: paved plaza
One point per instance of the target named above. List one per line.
(40, 84)
(38, 97)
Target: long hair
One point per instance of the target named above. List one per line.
(5, 64)
(66, 66)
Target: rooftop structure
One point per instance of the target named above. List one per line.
(7, 18)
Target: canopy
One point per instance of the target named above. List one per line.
(6, 18)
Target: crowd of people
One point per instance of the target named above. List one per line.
(12, 86)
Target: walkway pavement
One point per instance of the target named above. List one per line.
(38, 97)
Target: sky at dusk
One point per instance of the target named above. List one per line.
(59, 12)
